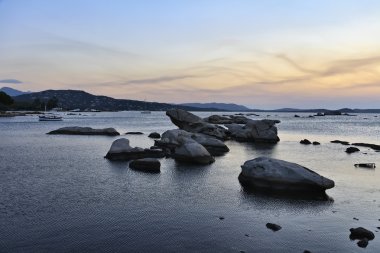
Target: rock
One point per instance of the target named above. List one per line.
(134, 133)
(306, 251)
(305, 142)
(121, 150)
(361, 233)
(363, 243)
(191, 151)
(352, 150)
(284, 177)
(296, 116)
(367, 145)
(146, 164)
(255, 131)
(75, 130)
(173, 138)
(346, 143)
(154, 135)
(273, 226)
(192, 123)
(221, 218)
(217, 119)
(316, 143)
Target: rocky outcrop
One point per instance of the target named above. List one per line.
(346, 143)
(230, 119)
(192, 123)
(75, 130)
(191, 151)
(367, 145)
(174, 138)
(121, 150)
(154, 135)
(282, 176)
(146, 165)
(363, 235)
(305, 142)
(255, 131)
(351, 150)
(273, 227)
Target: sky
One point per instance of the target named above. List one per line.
(262, 54)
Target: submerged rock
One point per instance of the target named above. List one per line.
(75, 130)
(174, 138)
(154, 135)
(316, 143)
(277, 175)
(273, 227)
(192, 123)
(352, 150)
(121, 150)
(146, 164)
(255, 131)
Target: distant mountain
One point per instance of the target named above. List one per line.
(343, 110)
(77, 99)
(13, 92)
(220, 106)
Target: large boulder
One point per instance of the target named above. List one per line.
(121, 150)
(173, 138)
(191, 151)
(75, 130)
(282, 176)
(192, 123)
(255, 131)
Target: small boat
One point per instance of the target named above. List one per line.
(50, 117)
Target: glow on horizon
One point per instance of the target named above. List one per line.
(264, 54)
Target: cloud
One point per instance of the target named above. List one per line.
(11, 81)
(160, 79)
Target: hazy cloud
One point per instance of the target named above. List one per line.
(160, 79)
(11, 81)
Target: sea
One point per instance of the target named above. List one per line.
(59, 194)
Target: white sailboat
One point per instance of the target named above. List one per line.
(49, 117)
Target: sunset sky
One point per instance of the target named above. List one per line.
(263, 54)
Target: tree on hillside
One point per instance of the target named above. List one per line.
(5, 99)
(52, 103)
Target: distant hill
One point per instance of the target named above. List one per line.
(343, 110)
(220, 106)
(13, 92)
(77, 99)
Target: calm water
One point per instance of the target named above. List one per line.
(58, 193)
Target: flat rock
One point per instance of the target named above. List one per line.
(367, 145)
(146, 164)
(277, 175)
(346, 143)
(316, 143)
(75, 130)
(134, 133)
(121, 150)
